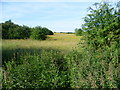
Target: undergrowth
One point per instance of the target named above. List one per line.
(53, 69)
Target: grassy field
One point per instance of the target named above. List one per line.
(59, 61)
(18, 52)
(64, 43)
(56, 41)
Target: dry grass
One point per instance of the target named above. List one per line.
(56, 41)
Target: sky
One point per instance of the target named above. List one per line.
(56, 15)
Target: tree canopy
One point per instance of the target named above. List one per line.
(79, 31)
(103, 25)
(14, 31)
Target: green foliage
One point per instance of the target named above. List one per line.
(25, 32)
(70, 33)
(1, 76)
(5, 29)
(38, 34)
(94, 69)
(78, 32)
(47, 31)
(14, 31)
(99, 68)
(102, 25)
(45, 70)
(52, 69)
(96, 66)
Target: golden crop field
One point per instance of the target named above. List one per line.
(57, 41)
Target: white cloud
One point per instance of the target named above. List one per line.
(19, 10)
(55, 16)
(57, 0)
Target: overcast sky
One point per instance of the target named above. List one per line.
(57, 15)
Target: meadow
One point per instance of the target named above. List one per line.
(57, 41)
(62, 42)
(58, 62)
(56, 45)
(89, 60)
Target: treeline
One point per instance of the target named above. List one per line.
(15, 31)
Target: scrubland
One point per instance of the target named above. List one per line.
(91, 60)
(61, 61)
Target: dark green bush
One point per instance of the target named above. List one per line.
(97, 66)
(52, 69)
(46, 70)
(102, 25)
(14, 31)
(38, 34)
(79, 32)
(94, 69)
(47, 31)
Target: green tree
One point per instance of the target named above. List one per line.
(46, 31)
(78, 32)
(14, 31)
(25, 32)
(38, 34)
(5, 29)
(101, 25)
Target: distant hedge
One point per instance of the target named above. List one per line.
(14, 31)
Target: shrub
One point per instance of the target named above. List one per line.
(52, 69)
(47, 31)
(78, 32)
(94, 69)
(38, 34)
(46, 70)
(102, 25)
(14, 31)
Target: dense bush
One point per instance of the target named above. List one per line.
(14, 31)
(96, 66)
(99, 66)
(47, 31)
(79, 32)
(38, 34)
(102, 25)
(45, 70)
(98, 69)
(52, 69)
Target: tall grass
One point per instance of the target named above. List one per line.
(54, 68)
(95, 69)
(46, 70)
(64, 42)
